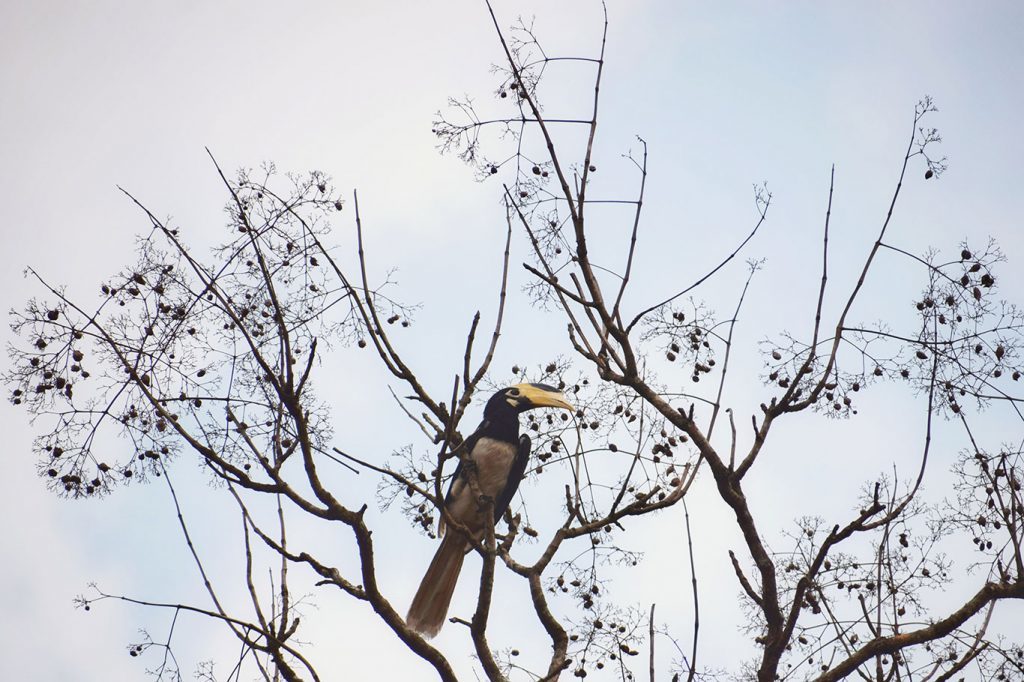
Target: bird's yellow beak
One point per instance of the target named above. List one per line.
(541, 395)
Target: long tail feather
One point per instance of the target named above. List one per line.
(430, 605)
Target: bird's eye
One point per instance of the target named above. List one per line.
(513, 391)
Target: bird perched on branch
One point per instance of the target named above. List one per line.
(499, 456)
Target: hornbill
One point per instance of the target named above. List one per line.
(499, 455)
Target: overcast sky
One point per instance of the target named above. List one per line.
(727, 94)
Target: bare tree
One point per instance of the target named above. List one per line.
(215, 360)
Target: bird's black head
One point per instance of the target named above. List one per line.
(509, 402)
(501, 414)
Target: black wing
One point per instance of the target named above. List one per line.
(515, 475)
(467, 446)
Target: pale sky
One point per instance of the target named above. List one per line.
(727, 94)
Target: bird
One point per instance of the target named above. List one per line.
(500, 456)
